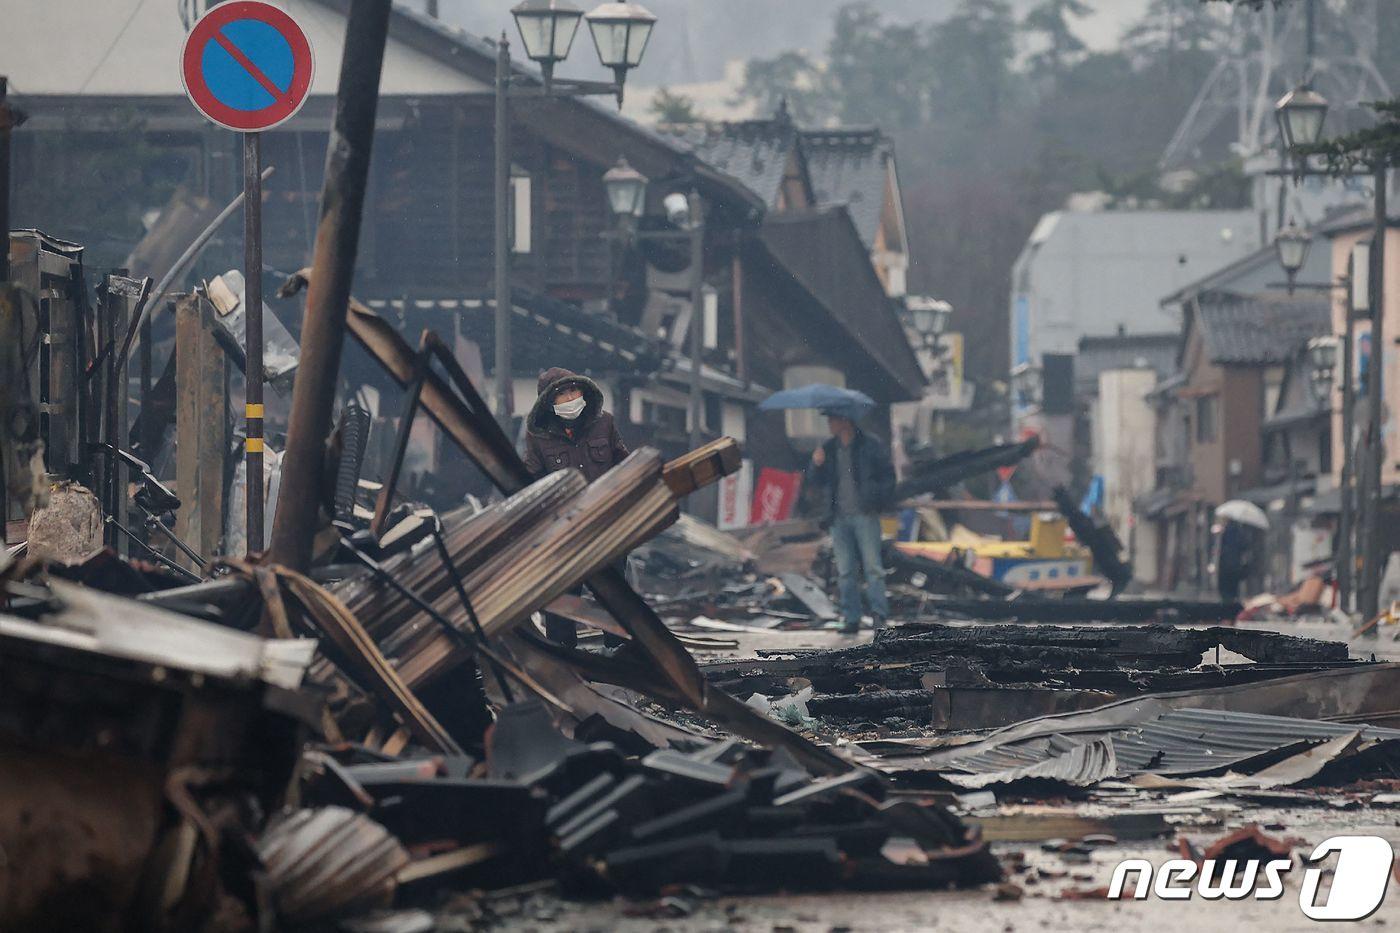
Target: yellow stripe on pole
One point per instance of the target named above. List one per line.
(253, 411)
(254, 445)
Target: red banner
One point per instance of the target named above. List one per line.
(774, 496)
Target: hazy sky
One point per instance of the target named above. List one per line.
(694, 38)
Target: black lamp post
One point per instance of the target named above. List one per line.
(1301, 114)
(1292, 245)
(547, 29)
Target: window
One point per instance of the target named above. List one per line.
(667, 417)
(1207, 419)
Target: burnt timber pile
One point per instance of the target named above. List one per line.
(971, 677)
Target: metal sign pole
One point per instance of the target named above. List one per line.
(252, 317)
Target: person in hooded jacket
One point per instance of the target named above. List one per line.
(567, 428)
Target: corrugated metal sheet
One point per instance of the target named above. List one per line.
(1080, 766)
(1193, 741)
(1178, 742)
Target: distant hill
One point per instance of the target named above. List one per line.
(696, 37)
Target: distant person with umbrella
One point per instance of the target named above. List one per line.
(854, 479)
(1234, 559)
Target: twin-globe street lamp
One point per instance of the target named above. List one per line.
(547, 28)
(1301, 114)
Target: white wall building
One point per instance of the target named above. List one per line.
(1088, 273)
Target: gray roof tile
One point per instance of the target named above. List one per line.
(1260, 329)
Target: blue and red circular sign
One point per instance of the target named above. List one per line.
(247, 65)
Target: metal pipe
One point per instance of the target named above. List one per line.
(253, 338)
(697, 313)
(9, 118)
(328, 295)
(1346, 560)
(502, 249)
(187, 257)
(1371, 488)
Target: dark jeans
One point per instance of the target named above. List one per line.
(855, 544)
(564, 631)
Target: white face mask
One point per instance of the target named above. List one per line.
(572, 409)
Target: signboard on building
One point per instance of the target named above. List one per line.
(775, 496)
(735, 498)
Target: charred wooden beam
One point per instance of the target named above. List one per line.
(938, 577)
(1073, 609)
(943, 472)
(1099, 539)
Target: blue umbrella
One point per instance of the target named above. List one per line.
(830, 399)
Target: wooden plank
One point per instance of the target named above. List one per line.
(201, 436)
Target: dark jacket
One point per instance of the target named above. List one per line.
(874, 475)
(590, 444)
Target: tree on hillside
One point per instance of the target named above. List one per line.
(1049, 22)
(881, 72)
(975, 51)
(788, 76)
(1171, 28)
(673, 108)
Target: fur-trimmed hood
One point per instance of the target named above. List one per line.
(542, 421)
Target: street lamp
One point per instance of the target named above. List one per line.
(547, 29)
(1301, 113)
(627, 191)
(1322, 359)
(620, 34)
(1026, 381)
(929, 316)
(1292, 245)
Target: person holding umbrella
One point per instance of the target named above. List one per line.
(1234, 561)
(854, 482)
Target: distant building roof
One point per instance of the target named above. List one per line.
(1259, 330)
(756, 152)
(1097, 355)
(850, 166)
(821, 250)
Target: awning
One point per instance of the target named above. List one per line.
(1330, 502)
(1263, 495)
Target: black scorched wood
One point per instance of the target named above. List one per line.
(1072, 609)
(945, 472)
(1099, 539)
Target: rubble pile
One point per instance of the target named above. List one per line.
(940, 677)
(437, 741)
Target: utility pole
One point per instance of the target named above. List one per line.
(1371, 490)
(1346, 554)
(504, 305)
(697, 314)
(328, 295)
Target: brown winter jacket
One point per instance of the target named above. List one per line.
(591, 444)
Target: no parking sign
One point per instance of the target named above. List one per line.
(247, 65)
